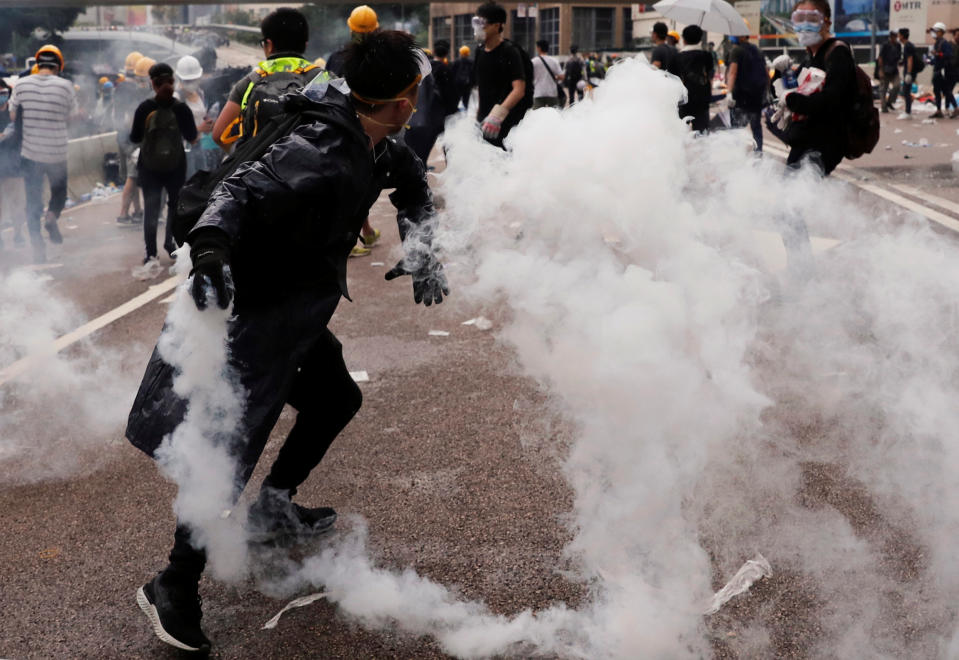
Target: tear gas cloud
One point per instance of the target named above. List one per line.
(715, 400)
(718, 406)
(58, 415)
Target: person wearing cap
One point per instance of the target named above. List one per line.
(205, 156)
(285, 34)
(160, 125)
(362, 21)
(943, 71)
(463, 75)
(45, 101)
(274, 243)
(500, 76)
(129, 93)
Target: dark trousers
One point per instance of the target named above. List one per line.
(33, 173)
(907, 95)
(573, 93)
(942, 87)
(326, 399)
(153, 184)
(742, 117)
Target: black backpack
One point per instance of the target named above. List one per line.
(862, 126)
(574, 70)
(527, 101)
(695, 80)
(195, 195)
(261, 101)
(162, 148)
(918, 63)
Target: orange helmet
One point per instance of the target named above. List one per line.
(130, 63)
(48, 53)
(142, 69)
(465, 51)
(674, 34)
(102, 80)
(121, 77)
(362, 19)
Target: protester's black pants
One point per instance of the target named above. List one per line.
(942, 87)
(326, 399)
(153, 184)
(33, 173)
(907, 95)
(574, 93)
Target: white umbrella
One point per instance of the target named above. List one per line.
(710, 15)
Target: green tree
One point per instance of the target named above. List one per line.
(20, 22)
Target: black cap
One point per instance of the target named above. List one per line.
(160, 69)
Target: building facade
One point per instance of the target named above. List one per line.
(591, 28)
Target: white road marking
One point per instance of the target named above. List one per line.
(936, 216)
(39, 267)
(22, 365)
(941, 202)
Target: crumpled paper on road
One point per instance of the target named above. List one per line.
(754, 569)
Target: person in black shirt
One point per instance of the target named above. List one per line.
(821, 134)
(663, 54)
(500, 76)
(162, 161)
(888, 66)
(908, 67)
(573, 73)
(462, 71)
(695, 67)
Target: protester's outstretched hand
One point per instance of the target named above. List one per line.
(211, 273)
(429, 281)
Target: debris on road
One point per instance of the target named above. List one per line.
(753, 570)
(293, 604)
(439, 333)
(480, 322)
(360, 376)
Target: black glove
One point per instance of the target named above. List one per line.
(211, 269)
(429, 282)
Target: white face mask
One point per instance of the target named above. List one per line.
(189, 86)
(807, 38)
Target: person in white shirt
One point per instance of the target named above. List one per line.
(547, 76)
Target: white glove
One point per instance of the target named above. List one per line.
(494, 121)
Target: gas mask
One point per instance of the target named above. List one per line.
(479, 31)
(807, 24)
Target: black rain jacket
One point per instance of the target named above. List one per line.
(292, 218)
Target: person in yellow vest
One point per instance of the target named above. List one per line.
(255, 97)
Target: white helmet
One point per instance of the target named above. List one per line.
(939, 26)
(188, 68)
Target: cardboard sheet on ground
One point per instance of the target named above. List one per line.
(769, 246)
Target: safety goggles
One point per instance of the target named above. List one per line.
(478, 23)
(424, 69)
(807, 16)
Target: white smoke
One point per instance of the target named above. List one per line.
(46, 395)
(720, 409)
(198, 455)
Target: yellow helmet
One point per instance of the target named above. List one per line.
(465, 51)
(142, 69)
(49, 49)
(102, 80)
(363, 19)
(121, 77)
(674, 34)
(131, 61)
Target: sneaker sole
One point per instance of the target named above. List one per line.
(154, 618)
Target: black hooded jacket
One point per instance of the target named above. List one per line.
(293, 216)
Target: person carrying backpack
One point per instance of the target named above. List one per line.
(573, 73)
(695, 67)
(503, 76)
(255, 97)
(822, 120)
(912, 64)
(748, 81)
(160, 125)
(274, 242)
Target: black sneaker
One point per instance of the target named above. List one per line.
(54, 231)
(274, 517)
(173, 607)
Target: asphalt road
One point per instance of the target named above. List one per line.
(453, 461)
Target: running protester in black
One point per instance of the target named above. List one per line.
(284, 226)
